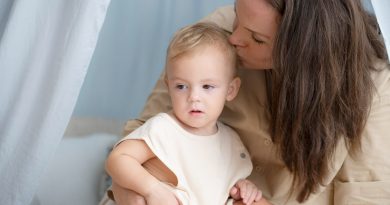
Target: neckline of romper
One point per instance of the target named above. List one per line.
(188, 134)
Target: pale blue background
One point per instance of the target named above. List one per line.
(130, 53)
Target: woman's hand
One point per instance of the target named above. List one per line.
(245, 191)
(159, 194)
(126, 196)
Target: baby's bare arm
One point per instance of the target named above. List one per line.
(124, 165)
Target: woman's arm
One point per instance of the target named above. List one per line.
(364, 177)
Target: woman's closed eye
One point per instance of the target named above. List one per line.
(257, 40)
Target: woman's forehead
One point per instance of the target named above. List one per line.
(257, 16)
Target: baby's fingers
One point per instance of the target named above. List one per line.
(259, 194)
(250, 197)
(235, 193)
(253, 194)
(254, 197)
(248, 193)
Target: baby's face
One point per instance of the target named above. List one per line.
(198, 83)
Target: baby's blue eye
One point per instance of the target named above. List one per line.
(207, 87)
(181, 87)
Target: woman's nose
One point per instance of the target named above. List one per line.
(236, 38)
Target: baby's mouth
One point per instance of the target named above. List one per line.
(196, 111)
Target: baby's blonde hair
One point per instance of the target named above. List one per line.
(191, 37)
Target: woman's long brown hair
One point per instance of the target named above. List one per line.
(321, 88)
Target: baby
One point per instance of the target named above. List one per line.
(206, 158)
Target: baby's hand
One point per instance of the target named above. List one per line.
(246, 191)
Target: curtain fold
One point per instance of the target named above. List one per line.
(45, 50)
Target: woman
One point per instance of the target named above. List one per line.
(314, 106)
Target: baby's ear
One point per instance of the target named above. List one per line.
(234, 87)
(165, 77)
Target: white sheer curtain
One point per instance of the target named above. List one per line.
(45, 50)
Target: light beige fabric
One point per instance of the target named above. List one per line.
(206, 166)
(363, 179)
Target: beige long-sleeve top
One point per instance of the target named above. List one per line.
(362, 179)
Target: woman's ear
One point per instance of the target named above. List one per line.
(234, 87)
